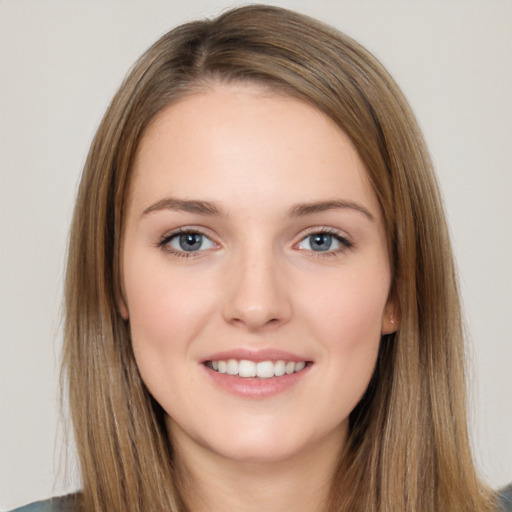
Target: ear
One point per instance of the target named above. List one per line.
(121, 304)
(120, 295)
(390, 318)
(121, 307)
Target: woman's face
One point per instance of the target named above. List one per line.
(255, 274)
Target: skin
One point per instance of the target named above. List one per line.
(256, 283)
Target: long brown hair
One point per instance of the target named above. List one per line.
(408, 447)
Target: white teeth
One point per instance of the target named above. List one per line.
(299, 366)
(265, 369)
(279, 368)
(232, 368)
(262, 369)
(247, 368)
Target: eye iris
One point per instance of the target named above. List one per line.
(320, 242)
(190, 241)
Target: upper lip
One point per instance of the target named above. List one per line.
(256, 355)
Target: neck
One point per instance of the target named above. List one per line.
(212, 483)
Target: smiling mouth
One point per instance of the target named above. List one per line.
(261, 370)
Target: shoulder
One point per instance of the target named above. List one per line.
(61, 504)
(505, 499)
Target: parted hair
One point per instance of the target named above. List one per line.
(408, 447)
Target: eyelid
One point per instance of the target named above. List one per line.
(328, 230)
(164, 245)
(338, 234)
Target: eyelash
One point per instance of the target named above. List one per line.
(346, 244)
(163, 243)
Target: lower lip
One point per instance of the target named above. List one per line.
(253, 387)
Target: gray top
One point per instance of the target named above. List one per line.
(505, 499)
(65, 503)
(61, 504)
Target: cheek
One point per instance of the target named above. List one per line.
(163, 305)
(346, 319)
(165, 312)
(151, 325)
(168, 309)
(349, 307)
(150, 309)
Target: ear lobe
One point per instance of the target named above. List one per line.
(120, 300)
(390, 319)
(121, 306)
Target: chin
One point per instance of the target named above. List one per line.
(258, 451)
(276, 444)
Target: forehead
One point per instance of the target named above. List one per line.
(245, 141)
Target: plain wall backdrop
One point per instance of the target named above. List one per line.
(60, 63)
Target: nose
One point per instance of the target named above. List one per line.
(257, 293)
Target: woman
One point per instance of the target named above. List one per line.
(261, 305)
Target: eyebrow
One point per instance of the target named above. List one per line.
(182, 205)
(302, 209)
(298, 210)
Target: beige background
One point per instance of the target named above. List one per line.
(60, 62)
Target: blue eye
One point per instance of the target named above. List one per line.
(324, 242)
(321, 242)
(187, 242)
